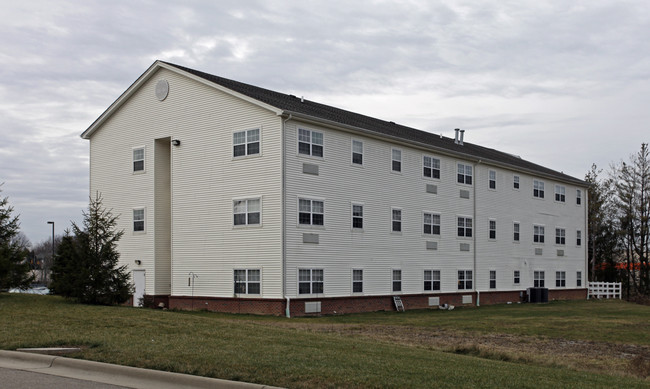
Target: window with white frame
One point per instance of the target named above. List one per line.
(515, 182)
(246, 212)
(579, 278)
(397, 280)
(357, 152)
(560, 279)
(310, 142)
(492, 229)
(464, 226)
(560, 193)
(431, 223)
(538, 279)
(560, 236)
(246, 142)
(311, 212)
(464, 279)
(515, 231)
(247, 281)
(538, 189)
(357, 281)
(578, 238)
(516, 277)
(538, 234)
(431, 166)
(464, 174)
(138, 159)
(357, 216)
(138, 220)
(310, 281)
(578, 197)
(431, 280)
(396, 160)
(493, 279)
(492, 179)
(396, 220)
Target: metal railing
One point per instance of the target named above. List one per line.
(607, 290)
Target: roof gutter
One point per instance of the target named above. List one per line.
(440, 150)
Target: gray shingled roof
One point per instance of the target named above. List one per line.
(293, 104)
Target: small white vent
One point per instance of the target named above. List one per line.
(560, 253)
(434, 301)
(310, 238)
(538, 251)
(432, 188)
(464, 194)
(310, 168)
(464, 247)
(312, 307)
(467, 299)
(432, 245)
(162, 90)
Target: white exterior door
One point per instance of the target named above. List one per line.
(139, 281)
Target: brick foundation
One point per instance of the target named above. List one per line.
(352, 304)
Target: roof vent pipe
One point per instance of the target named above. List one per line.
(462, 135)
(302, 99)
(456, 139)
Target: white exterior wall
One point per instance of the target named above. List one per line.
(377, 251)
(507, 205)
(205, 179)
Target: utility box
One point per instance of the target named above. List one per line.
(537, 295)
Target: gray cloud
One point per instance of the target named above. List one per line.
(553, 82)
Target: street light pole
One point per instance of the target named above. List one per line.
(43, 270)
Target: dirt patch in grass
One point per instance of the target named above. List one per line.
(611, 358)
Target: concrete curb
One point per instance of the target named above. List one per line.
(131, 377)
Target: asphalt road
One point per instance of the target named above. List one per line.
(18, 379)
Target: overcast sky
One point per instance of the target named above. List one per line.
(563, 84)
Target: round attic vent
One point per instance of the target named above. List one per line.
(162, 90)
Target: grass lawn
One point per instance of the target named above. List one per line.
(583, 344)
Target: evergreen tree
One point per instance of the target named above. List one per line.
(14, 267)
(86, 262)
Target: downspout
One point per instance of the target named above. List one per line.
(284, 221)
(478, 293)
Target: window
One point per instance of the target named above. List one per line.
(431, 280)
(246, 142)
(138, 159)
(578, 197)
(560, 236)
(357, 281)
(431, 223)
(311, 212)
(492, 229)
(515, 182)
(516, 277)
(515, 229)
(465, 226)
(310, 142)
(396, 219)
(579, 278)
(492, 179)
(464, 174)
(464, 279)
(310, 281)
(357, 152)
(431, 167)
(247, 281)
(578, 238)
(396, 160)
(538, 234)
(538, 278)
(138, 219)
(246, 212)
(493, 279)
(538, 189)
(397, 280)
(560, 193)
(357, 216)
(560, 279)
